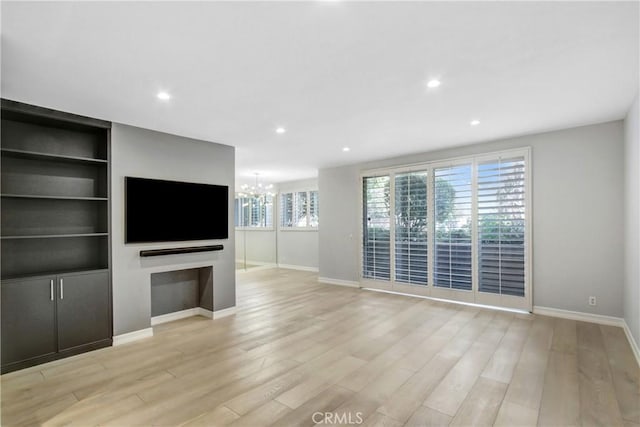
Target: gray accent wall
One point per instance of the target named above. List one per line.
(150, 154)
(632, 221)
(578, 250)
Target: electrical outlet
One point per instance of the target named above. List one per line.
(592, 300)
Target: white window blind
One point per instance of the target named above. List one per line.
(452, 210)
(239, 211)
(314, 210)
(376, 228)
(268, 212)
(254, 212)
(299, 209)
(501, 226)
(411, 227)
(456, 228)
(255, 206)
(286, 209)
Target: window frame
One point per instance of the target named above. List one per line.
(429, 290)
(307, 227)
(254, 227)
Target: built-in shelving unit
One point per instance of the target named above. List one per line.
(25, 196)
(9, 152)
(54, 225)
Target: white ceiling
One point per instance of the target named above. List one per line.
(333, 74)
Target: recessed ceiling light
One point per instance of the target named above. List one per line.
(433, 83)
(281, 130)
(474, 122)
(163, 96)
(345, 149)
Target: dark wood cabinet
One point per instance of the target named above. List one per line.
(55, 234)
(28, 319)
(83, 309)
(45, 317)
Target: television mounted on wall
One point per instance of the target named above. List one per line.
(171, 211)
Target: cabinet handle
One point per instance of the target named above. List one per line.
(51, 289)
(61, 288)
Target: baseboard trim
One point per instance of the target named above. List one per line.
(449, 301)
(132, 336)
(204, 313)
(580, 316)
(632, 342)
(259, 263)
(218, 314)
(176, 315)
(339, 282)
(298, 267)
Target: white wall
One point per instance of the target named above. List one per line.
(577, 176)
(298, 247)
(149, 154)
(295, 248)
(260, 244)
(632, 221)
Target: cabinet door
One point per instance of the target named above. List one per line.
(83, 309)
(28, 319)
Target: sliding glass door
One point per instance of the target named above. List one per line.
(411, 221)
(502, 231)
(452, 237)
(456, 230)
(376, 251)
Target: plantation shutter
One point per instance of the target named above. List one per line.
(452, 212)
(376, 228)
(286, 210)
(313, 209)
(300, 211)
(268, 212)
(255, 208)
(246, 212)
(501, 226)
(238, 212)
(411, 227)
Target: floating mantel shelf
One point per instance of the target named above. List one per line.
(176, 251)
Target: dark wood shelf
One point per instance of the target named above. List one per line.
(49, 156)
(88, 269)
(54, 236)
(14, 110)
(35, 196)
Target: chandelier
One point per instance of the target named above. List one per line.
(258, 191)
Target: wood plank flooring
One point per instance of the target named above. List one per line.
(302, 353)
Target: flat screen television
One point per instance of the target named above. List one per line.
(171, 211)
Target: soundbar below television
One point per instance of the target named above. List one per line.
(172, 211)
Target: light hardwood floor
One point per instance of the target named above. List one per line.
(297, 348)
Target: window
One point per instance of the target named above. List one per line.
(501, 226)
(411, 227)
(450, 226)
(254, 211)
(314, 210)
(452, 264)
(299, 209)
(376, 236)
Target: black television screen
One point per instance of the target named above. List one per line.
(169, 211)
